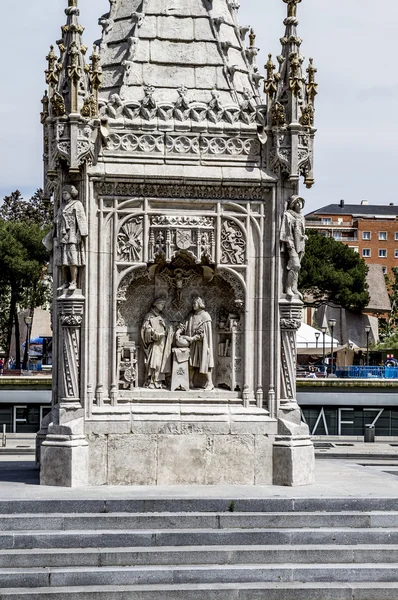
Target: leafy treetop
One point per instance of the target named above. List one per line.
(333, 272)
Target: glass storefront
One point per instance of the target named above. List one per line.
(346, 421)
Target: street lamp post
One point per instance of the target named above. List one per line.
(28, 321)
(367, 329)
(332, 325)
(324, 349)
(317, 338)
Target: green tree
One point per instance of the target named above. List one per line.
(35, 210)
(388, 326)
(333, 272)
(23, 224)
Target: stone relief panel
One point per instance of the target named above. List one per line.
(165, 294)
(130, 241)
(191, 234)
(233, 244)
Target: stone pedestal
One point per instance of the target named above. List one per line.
(294, 456)
(293, 461)
(172, 444)
(63, 448)
(64, 460)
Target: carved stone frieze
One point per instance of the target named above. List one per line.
(183, 144)
(135, 143)
(108, 188)
(184, 108)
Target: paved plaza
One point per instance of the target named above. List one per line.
(19, 479)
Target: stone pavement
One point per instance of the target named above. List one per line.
(334, 478)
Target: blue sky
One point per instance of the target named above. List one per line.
(353, 46)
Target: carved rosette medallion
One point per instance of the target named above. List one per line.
(71, 310)
(290, 321)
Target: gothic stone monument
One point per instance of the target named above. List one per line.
(177, 241)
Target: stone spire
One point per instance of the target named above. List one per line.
(290, 99)
(71, 100)
(178, 60)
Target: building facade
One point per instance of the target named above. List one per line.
(370, 230)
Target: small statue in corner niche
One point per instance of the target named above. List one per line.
(198, 333)
(294, 238)
(70, 230)
(157, 339)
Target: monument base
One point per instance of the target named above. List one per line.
(293, 461)
(177, 444)
(64, 460)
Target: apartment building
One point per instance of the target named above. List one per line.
(370, 229)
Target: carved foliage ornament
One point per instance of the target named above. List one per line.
(183, 108)
(233, 244)
(181, 191)
(71, 320)
(290, 324)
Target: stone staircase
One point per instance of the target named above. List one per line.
(202, 549)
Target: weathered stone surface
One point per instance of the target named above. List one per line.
(181, 459)
(132, 459)
(293, 461)
(97, 459)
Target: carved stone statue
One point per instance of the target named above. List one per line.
(294, 238)
(71, 229)
(157, 339)
(199, 334)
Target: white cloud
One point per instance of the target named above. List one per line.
(353, 46)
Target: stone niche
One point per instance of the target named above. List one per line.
(178, 282)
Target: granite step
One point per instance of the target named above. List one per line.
(200, 505)
(219, 591)
(198, 537)
(169, 520)
(196, 574)
(193, 555)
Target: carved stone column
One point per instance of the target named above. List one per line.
(64, 453)
(71, 310)
(293, 459)
(290, 321)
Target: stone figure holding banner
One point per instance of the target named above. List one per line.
(294, 238)
(157, 339)
(71, 229)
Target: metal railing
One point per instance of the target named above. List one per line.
(351, 372)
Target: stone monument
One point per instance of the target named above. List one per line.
(178, 238)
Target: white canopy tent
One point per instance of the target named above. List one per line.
(307, 344)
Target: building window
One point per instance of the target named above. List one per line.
(366, 252)
(384, 269)
(396, 254)
(366, 235)
(396, 236)
(382, 253)
(326, 221)
(337, 235)
(355, 248)
(382, 235)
